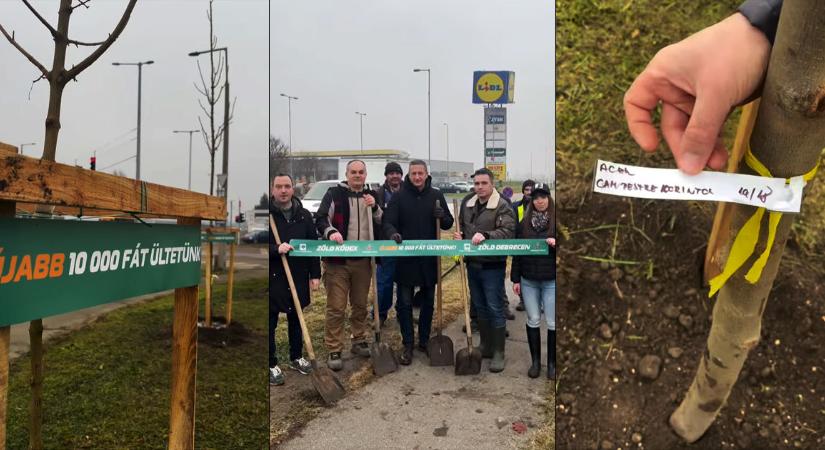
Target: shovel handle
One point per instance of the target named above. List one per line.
(438, 268)
(377, 322)
(297, 303)
(456, 208)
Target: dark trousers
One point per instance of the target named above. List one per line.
(384, 276)
(296, 344)
(486, 289)
(403, 308)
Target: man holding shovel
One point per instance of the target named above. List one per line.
(412, 214)
(292, 222)
(342, 216)
(486, 215)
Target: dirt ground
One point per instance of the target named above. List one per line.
(611, 317)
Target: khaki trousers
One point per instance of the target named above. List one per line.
(343, 282)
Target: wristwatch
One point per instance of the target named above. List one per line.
(763, 14)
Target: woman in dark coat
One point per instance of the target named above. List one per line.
(534, 277)
(292, 222)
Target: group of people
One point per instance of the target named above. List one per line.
(409, 207)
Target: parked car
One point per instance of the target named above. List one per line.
(447, 188)
(463, 186)
(256, 237)
(312, 199)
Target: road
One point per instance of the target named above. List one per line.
(250, 261)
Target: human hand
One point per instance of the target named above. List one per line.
(285, 248)
(369, 200)
(438, 212)
(517, 288)
(478, 238)
(698, 81)
(396, 237)
(337, 238)
(457, 236)
(551, 242)
(314, 284)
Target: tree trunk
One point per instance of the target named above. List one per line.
(57, 81)
(787, 138)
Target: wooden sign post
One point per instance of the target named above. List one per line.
(225, 235)
(79, 192)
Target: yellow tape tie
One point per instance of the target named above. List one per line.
(745, 242)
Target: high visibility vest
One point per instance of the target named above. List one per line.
(521, 211)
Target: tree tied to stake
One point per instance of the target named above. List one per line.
(788, 138)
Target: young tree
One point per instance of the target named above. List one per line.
(787, 138)
(278, 157)
(59, 76)
(212, 89)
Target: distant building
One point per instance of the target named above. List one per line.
(331, 165)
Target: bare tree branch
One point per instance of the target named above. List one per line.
(28, 55)
(124, 19)
(41, 77)
(88, 44)
(81, 3)
(40, 18)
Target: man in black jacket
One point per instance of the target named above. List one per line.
(411, 214)
(386, 266)
(292, 222)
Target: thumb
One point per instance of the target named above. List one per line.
(702, 131)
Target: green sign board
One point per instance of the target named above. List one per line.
(50, 267)
(508, 247)
(219, 237)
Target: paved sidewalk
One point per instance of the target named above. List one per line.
(423, 407)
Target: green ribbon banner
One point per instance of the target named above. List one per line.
(219, 237)
(50, 267)
(501, 247)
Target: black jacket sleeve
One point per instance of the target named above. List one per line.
(322, 220)
(448, 220)
(763, 14)
(390, 219)
(515, 265)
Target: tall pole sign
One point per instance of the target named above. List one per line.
(493, 89)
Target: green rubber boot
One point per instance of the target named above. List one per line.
(485, 345)
(498, 339)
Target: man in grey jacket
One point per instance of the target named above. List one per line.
(486, 215)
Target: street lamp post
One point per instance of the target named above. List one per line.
(22, 146)
(289, 100)
(448, 152)
(225, 165)
(140, 83)
(362, 129)
(429, 140)
(189, 185)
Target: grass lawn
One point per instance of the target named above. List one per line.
(107, 384)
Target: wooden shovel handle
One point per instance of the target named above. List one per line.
(377, 320)
(456, 208)
(295, 300)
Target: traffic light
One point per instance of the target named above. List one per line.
(241, 218)
(92, 162)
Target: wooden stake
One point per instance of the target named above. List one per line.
(207, 314)
(721, 221)
(230, 283)
(36, 412)
(6, 210)
(184, 363)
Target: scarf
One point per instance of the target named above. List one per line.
(540, 221)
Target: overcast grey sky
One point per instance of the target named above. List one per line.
(342, 56)
(99, 111)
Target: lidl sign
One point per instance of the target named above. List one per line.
(493, 87)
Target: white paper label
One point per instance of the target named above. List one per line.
(672, 184)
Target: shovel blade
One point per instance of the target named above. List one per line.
(383, 359)
(327, 385)
(468, 362)
(440, 349)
